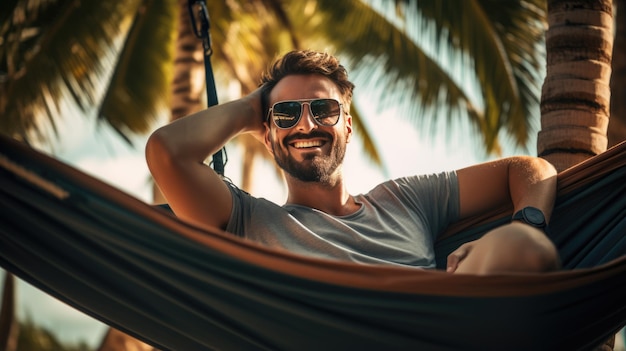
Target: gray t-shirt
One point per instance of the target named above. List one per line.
(397, 223)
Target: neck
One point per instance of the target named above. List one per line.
(333, 199)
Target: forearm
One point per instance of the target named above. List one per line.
(201, 134)
(522, 182)
(517, 181)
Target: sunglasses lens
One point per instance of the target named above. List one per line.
(326, 111)
(286, 114)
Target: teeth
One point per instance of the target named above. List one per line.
(304, 144)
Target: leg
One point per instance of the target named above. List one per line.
(515, 247)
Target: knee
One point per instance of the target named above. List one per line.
(539, 257)
(511, 248)
(531, 249)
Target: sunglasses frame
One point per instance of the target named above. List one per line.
(302, 102)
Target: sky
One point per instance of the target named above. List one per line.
(98, 151)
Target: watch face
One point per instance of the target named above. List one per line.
(534, 216)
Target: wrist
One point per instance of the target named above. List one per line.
(254, 118)
(532, 216)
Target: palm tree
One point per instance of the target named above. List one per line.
(53, 50)
(576, 94)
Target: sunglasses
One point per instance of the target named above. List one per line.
(286, 114)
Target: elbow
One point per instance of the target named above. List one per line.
(535, 168)
(158, 152)
(547, 168)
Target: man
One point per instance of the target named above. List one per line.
(301, 113)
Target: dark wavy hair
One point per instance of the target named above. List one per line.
(306, 62)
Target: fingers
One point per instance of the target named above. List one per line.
(456, 257)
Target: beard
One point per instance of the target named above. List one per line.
(314, 167)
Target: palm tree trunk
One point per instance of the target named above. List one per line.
(115, 340)
(188, 84)
(576, 95)
(617, 125)
(188, 89)
(9, 327)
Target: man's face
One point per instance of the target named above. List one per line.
(309, 151)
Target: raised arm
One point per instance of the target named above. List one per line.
(517, 246)
(176, 155)
(523, 181)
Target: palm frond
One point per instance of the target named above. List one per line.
(249, 35)
(66, 54)
(428, 50)
(503, 40)
(385, 59)
(367, 139)
(139, 87)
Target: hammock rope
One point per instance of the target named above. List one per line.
(201, 27)
(140, 269)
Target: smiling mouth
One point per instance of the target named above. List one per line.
(307, 144)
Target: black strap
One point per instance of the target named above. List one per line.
(201, 29)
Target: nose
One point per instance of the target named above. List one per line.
(306, 121)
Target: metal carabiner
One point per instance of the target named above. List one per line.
(201, 29)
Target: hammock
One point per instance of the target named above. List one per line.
(141, 270)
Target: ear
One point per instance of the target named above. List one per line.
(348, 127)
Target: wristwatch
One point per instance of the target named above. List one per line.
(531, 216)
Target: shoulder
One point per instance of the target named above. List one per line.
(419, 182)
(250, 213)
(419, 189)
(242, 198)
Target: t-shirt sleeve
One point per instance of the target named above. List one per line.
(241, 204)
(254, 218)
(434, 196)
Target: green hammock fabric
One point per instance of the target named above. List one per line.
(143, 271)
